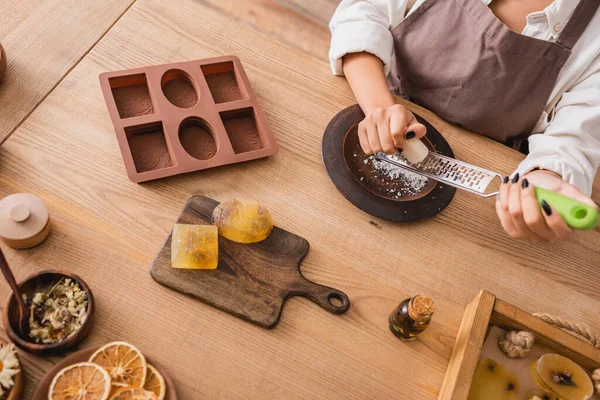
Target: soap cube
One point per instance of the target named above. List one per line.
(195, 246)
(415, 151)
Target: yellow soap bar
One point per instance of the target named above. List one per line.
(243, 221)
(195, 246)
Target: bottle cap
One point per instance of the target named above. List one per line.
(421, 308)
(24, 220)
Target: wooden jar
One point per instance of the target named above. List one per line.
(24, 220)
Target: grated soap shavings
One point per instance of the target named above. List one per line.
(413, 182)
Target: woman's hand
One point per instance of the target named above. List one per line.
(388, 128)
(520, 213)
(387, 125)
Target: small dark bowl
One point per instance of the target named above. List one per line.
(32, 285)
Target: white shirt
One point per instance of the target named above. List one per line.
(566, 139)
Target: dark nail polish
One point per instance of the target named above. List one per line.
(505, 180)
(515, 178)
(546, 208)
(525, 183)
(400, 149)
(410, 135)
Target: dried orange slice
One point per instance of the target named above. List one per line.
(125, 364)
(155, 383)
(82, 381)
(134, 394)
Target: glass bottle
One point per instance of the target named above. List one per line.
(412, 317)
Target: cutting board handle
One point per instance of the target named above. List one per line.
(330, 299)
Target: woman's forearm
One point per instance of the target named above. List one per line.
(387, 126)
(365, 75)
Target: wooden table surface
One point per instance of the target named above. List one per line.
(107, 230)
(44, 39)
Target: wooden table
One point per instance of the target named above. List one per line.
(44, 39)
(107, 230)
(299, 23)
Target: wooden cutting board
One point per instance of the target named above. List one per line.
(252, 281)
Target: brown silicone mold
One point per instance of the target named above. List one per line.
(184, 117)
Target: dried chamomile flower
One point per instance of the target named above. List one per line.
(58, 312)
(9, 367)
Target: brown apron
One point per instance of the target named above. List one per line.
(457, 59)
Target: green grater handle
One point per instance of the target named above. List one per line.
(576, 214)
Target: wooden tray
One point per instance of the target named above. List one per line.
(356, 180)
(187, 116)
(486, 311)
(41, 392)
(252, 281)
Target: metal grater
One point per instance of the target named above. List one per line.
(447, 170)
(477, 180)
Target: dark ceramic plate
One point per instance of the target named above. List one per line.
(368, 189)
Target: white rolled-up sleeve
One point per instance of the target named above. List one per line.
(364, 26)
(570, 144)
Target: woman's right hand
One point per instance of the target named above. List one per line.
(388, 128)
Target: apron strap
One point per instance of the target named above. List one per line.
(581, 18)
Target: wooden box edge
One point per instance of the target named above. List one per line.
(486, 310)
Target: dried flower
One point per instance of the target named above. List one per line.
(9, 367)
(58, 312)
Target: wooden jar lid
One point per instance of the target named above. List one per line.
(24, 220)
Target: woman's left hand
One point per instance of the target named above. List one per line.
(520, 213)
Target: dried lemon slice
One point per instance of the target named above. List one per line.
(82, 381)
(155, 383)
(125, 364)
(134, 394)
(564, 377)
